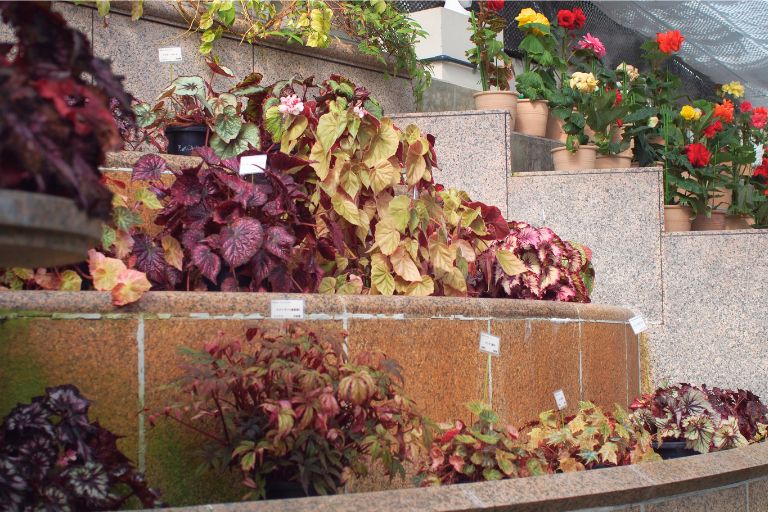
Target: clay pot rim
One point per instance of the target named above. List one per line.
(501, 93)
(520, 100)
(585, 146)
(681, 206)
(614, 156)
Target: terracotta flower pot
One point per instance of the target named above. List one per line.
(555, 130)
(583, 158)
(532, 117)
(738, 222)
(677, 218)
(716, 222)
(620, 161)
(497, 100)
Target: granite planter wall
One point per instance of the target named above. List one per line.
(132, 48)
(729, 481)
(121, 357)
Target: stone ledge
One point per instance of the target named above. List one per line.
(257, 305)
(571, 491)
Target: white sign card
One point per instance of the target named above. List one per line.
(293, 308)
(638, 324)
(169, 54)
(253, 164)
(560, 400)
(490, 343)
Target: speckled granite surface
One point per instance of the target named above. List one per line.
(473, 150)
(132, 46)
(715, 325)
(617, 213)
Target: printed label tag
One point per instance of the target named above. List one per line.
(638, 324)
(253, 164)
(560, 400)
(288, 308)
(490, 343)
(169, 54)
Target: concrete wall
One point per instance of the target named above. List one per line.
(132, 47)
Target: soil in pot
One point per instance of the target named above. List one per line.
(583, 158)
(183, 139)
(620, 161)
(715, 222)
(532, 117)
(677, 218)
(497, 100)
(673, 450)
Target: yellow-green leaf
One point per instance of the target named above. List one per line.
(70, 281)
(346, 209)
(421, 288)
(399, 212)
(327, 285)
(329, 128)
(351, 183)
(174, 255)
(387, 236)
(404, 266)
(383, 145)
(441, 256)
(292, 134)
(383, 280)
(385, 174)
(510, 264)
(148, 199)
(456, 280)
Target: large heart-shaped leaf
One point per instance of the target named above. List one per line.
(404, 266)
(383, 145)
(104, 271)
(150, 258)
(241, 240)
(131, 285)
(247, 137)
(149, 167)
(228, 124)
(207, 261)
(510, 264)
(279, 242)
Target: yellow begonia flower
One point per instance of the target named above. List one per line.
(584, 82)
(629, 69)
(734, 88)
(690, 114)
(528, 16)
(653, 121)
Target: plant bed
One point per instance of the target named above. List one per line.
(673, 450)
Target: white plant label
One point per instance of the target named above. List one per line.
(560, 400)
(169, 54)
(253, 164)
(490, 343)
(293, 308)
(638, 324)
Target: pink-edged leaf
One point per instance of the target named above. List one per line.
(279, 242)
(207, 261)
(104, 271)
(150, 258)
(233, 164)
(192, 237)
(241, 240)
(131, 285)
(149, 167)
(187, 190)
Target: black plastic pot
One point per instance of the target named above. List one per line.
(183, 139)
(673, 450)
(277, 489)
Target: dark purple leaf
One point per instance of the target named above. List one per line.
(226, 212)
(150, 258)
(192, 237)
(241, 240)
(229, 285)
(187, 190)
(206, 261)
(279, 242)
(233, 164)
(149, 167)
(282, 162)
(246, 193)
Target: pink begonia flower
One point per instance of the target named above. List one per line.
(360, 110)
(590, 42)
(291, 105)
